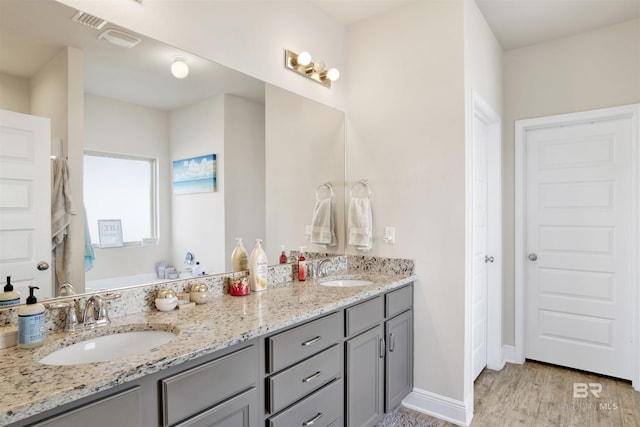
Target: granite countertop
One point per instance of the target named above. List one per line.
(29, 387)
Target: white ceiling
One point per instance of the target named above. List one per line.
(515, 23)
(32, 32)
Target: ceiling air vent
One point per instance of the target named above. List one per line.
(119, 38)
(89, 20)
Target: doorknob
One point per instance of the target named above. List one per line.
(42, 266)
(533, 257)
(488, 259)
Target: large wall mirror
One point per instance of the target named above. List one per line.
(121, 118)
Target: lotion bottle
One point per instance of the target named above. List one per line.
(302, 266)
(9, 296)
(258, 268)
(239, 257)
(31, 325)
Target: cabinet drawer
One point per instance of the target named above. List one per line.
(399, 300)
(298, 343)
(122, 409)
(202, 387)
(241, 411)
(321, 409)
(364, 315)
(299, 380)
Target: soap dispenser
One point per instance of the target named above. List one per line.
(31, 324)
(302, 266)
(258, 268)
(239, 257)
(283, 255)
(9, 296)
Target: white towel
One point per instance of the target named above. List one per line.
(360, 223)
(323, 223)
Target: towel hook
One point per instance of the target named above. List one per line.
(329, 186)
(364, 183)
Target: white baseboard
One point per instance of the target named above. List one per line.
(509, 354)
(442, 407)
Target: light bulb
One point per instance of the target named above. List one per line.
(304, 58)
(319, 66)
(179, 68)
(333, 74)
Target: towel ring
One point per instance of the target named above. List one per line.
(364, 183)
(329, 186)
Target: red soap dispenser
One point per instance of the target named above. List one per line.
(283, 256)
(302, 266)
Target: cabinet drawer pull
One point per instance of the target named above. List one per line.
(311, 341)
(312, 420)
(312, 377)
(392, 343)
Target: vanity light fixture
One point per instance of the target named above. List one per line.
(317, 70)
(179, 68)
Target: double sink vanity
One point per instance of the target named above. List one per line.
(297, 354)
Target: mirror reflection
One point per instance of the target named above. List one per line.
(106, 101)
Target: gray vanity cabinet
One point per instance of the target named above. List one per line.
(365, 355)
(121, 409)
(304, 374)
(365, 378)
(379, 361)
(399, 359)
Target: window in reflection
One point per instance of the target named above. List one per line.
(121, 187)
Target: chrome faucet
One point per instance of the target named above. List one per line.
(95, 312)
(322, 267)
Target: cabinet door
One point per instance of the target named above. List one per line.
(241, 411)
(399, 362)
(365, 378)
(122, 409)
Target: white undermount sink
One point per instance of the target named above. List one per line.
(108, 347)
(346, 283)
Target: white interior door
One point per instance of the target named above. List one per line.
(578, 294)
(480, 246)
(25, 201)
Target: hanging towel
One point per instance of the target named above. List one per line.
(62, 213)
(323, 223)
(89, 253)
(360, 223)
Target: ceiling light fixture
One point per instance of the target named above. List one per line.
(179, 68)
(317, 70)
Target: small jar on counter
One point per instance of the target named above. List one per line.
(239, 286)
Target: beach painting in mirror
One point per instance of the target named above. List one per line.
(195, 175)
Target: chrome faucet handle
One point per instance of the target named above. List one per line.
(66, 289)
(72, 318)
(103, 314)
(322, 267)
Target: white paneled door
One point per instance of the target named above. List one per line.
(480, 246)
(578, 231)
(25, 201)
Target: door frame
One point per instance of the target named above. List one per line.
(521, 128)
(495, 357)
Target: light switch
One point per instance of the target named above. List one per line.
(390, 235)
